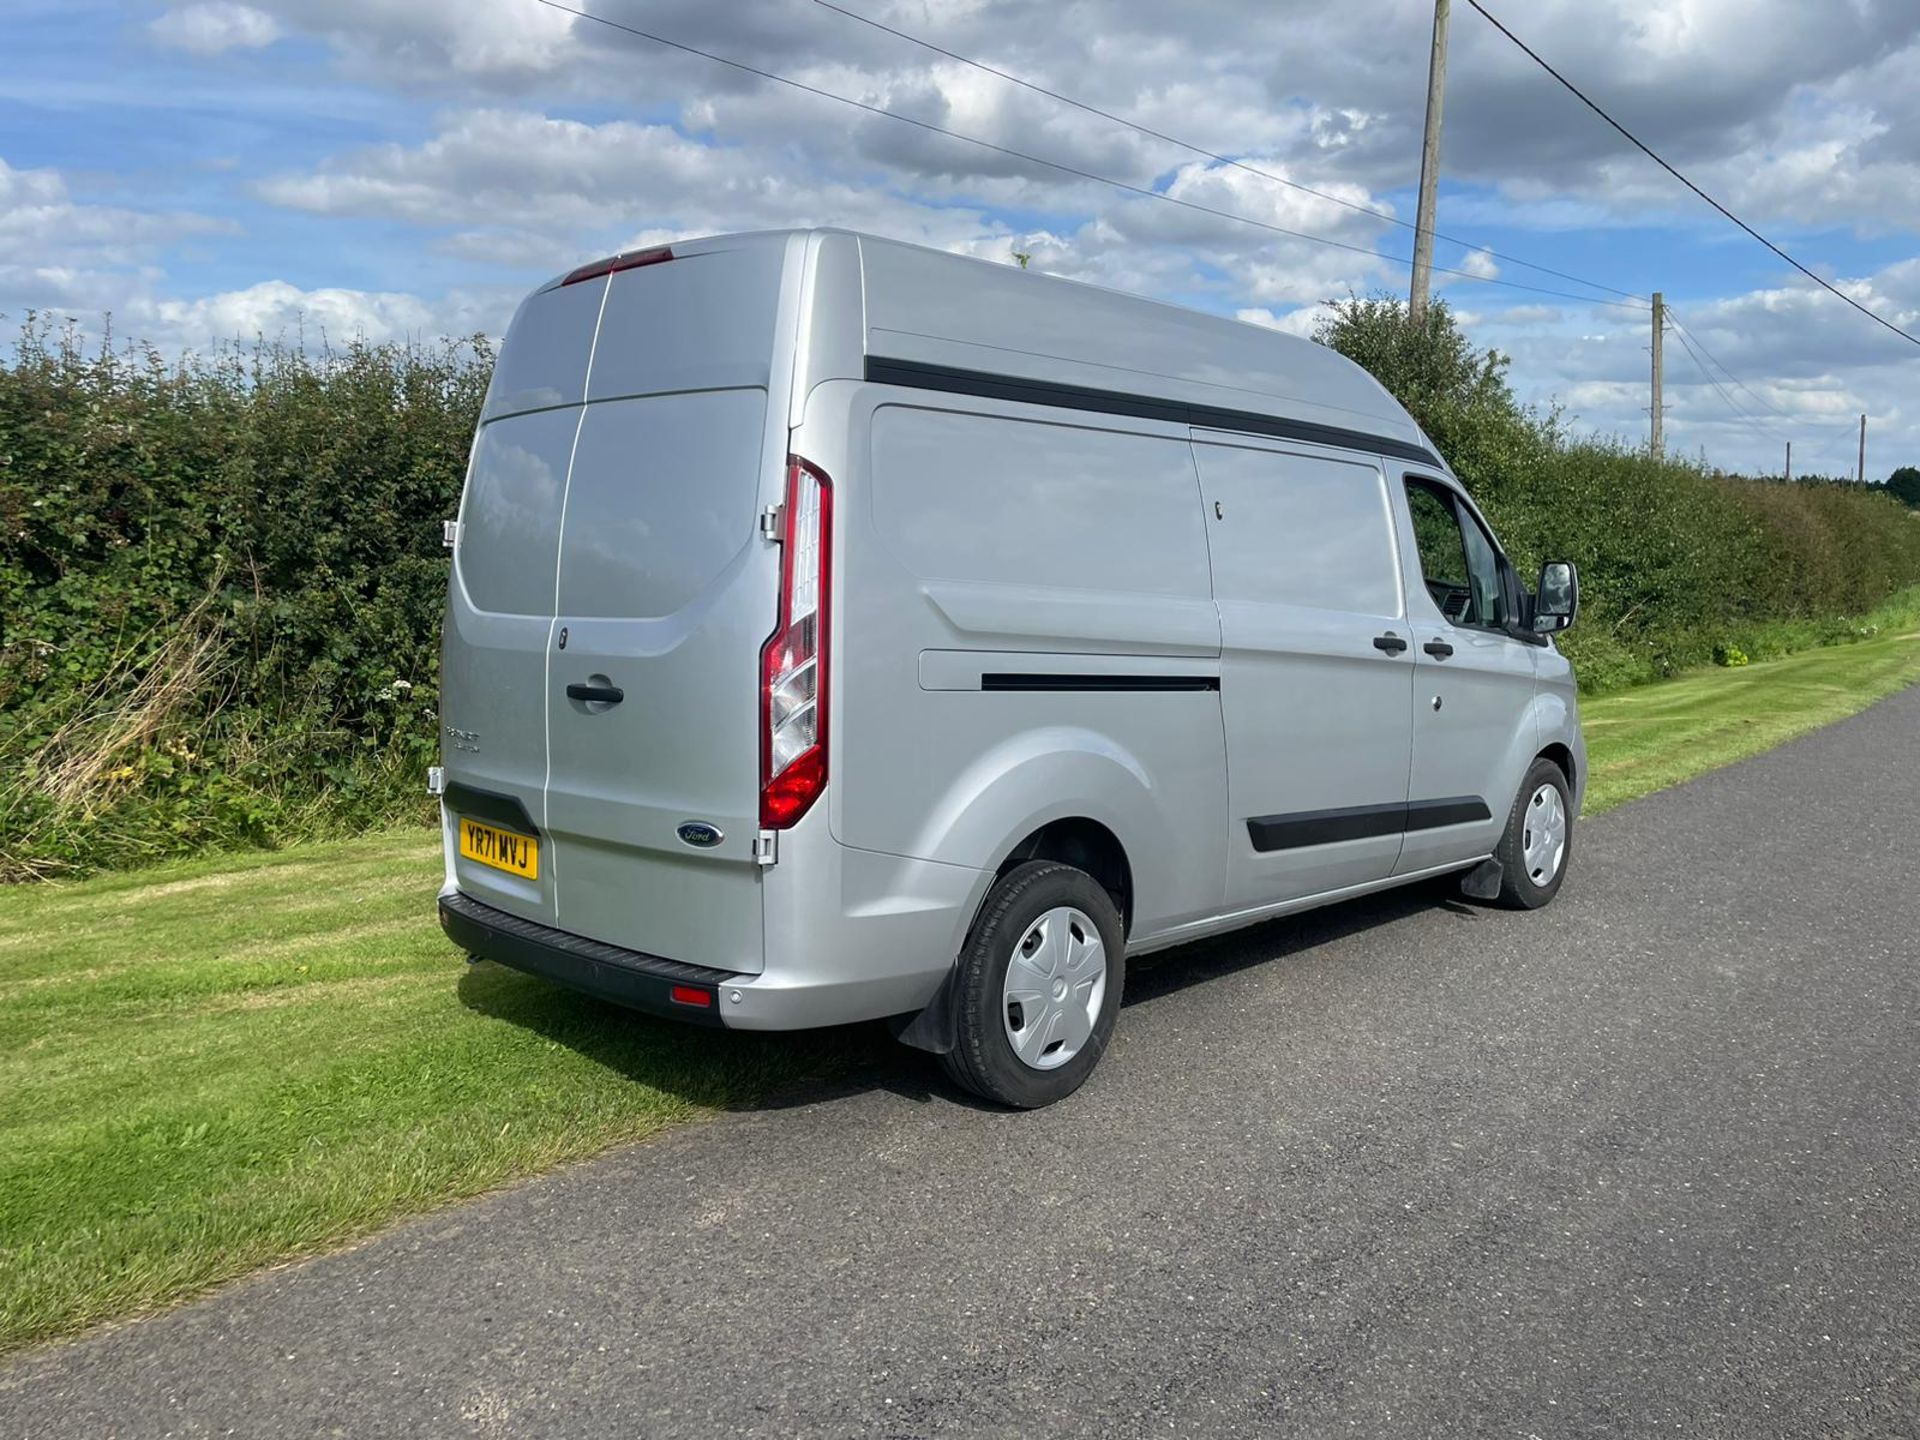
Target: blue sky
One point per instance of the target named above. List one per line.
(211, 170)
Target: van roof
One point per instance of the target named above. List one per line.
(931, 308)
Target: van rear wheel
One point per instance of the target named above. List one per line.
(1037, 991)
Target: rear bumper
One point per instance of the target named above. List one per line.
(626, 977)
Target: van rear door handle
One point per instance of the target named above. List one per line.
(1389, 642)
(1439, 649)
(600, 694)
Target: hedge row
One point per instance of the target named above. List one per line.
(221, 585)
(221, 580)
(1677, 562)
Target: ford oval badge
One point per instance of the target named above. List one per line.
(701, 834)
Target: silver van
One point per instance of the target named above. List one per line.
(842, 630)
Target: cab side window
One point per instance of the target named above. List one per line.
(1457, 559)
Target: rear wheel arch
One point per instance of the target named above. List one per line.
(1086, 844)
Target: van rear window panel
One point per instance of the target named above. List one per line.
(510, 519)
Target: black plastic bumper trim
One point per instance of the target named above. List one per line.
(489, 805)
(608, 972)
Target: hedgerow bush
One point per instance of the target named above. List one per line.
(1676, 562)
(221, 583)
(221, 579)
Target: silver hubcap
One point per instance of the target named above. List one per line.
(1543, 835)
(1056, 983)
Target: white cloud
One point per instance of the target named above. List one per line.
(275, 310)
(1796, 115)
(1480, 265)
(70, 258)
(1301, 322)
(58, 253)
(215, 26)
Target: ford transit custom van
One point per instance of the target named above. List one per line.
(841, 630)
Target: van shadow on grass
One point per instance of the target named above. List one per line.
(757, 1070)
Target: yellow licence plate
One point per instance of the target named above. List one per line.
(502, 849)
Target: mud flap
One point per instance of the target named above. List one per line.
(931, 1029)
(1483, 881)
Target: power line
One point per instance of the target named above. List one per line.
(1801, 421)
(1751, 421)
(1735, 379)
(1202, 150)
(1648, 151)
(1061, 166)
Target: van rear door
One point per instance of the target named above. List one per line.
(499, 618)
(666, 592)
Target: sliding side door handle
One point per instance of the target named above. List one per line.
(1389, 642)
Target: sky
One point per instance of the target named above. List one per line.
(211, 171)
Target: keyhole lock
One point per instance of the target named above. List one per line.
(1218, 513)
(1436, 702)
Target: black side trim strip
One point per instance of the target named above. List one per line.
(1459, 810)
(1324, 827)
(1361, 822)
(956, 381)
(1033, 680)
(489, 805)
(626, 977)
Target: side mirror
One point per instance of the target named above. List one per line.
(1557, 599)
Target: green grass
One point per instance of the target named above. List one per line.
(217, 1065)
(1653, 736)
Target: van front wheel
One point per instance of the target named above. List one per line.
(1038, 986)
(1539, 839)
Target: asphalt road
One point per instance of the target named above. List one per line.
(1645, 1163)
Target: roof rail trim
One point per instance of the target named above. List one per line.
(953, 380)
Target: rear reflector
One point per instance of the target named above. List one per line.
(613, 264)
(693, 995)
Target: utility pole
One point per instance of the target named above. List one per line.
(1429, 167)
(1861, 473)
(1789, 460)
(1659, 364)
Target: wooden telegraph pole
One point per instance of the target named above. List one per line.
(1429, 168)
(1659, 390)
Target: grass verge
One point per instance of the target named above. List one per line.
(213, 1066)
(1653, 736)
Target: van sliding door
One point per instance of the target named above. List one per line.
(1316, 682)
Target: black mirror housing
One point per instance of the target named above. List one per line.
(1557, 597)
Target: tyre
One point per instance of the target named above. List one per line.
(1534, 852)
(1037, 991)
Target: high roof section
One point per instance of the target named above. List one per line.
(935, 308)
(871, 299)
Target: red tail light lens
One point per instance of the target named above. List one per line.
(614, 264)
(793, 663)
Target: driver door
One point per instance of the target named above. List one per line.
(1472, 681)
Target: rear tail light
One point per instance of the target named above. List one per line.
(793, 663)
(613, 264)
